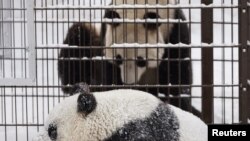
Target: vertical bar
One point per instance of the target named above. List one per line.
(243, 61)
(207, 62)
(1, 31)
(1, 38)
(31, 40)
(7, 29)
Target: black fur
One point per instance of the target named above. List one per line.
(161, 125)
(52, 131)
(86, 103)
(72, 71)
(177, 69)
(82, 35)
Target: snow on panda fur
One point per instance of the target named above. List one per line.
(122, 114)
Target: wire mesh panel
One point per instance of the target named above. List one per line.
(186, 52)
(17, 53)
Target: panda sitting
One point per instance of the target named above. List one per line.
(119, 115)
(167, 65)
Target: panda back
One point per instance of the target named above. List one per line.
(192, 128)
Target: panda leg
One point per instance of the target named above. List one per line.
(179, 71)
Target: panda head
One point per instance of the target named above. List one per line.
(95, 116)
(133, 60)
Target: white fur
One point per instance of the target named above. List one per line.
(136, 33)
(97, 27)
(191, 127)
(114, 109)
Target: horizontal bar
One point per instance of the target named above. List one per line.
(100, 21)
(3, 9)
(141, 46)
(128, 86)
(137, 6)
(104, 59)
(28, 124)
(65, 96)
(16, 81)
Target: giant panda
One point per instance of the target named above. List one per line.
(119, 115)
(127, 65)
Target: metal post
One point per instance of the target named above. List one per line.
(7, 29)
(1, 38)
(244, 62)
(207, 63)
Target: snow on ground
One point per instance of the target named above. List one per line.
(32, 110)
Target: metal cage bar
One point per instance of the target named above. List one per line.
(244, 60)
(207, 63)
(29, 48)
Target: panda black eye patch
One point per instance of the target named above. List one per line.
(52, 131)
(151, 15)
(118, 59)
(141, 62)
(112, 15)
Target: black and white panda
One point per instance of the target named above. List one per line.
(120, 115)
(131, 66)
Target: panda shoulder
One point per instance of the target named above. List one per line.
(86, 30)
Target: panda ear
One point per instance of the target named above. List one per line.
(111, 15)
(86, 103)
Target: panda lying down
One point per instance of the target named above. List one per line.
(119, 115)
